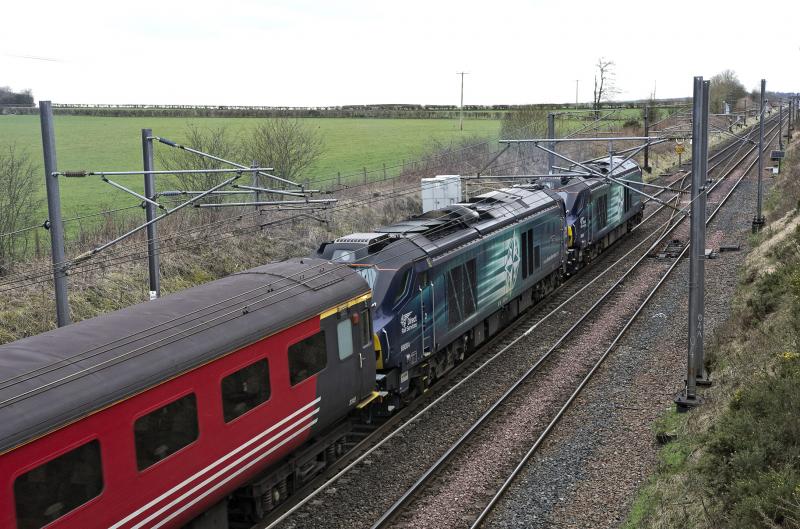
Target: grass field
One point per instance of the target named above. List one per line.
(114, 144)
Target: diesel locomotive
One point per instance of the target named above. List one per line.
(216, 403)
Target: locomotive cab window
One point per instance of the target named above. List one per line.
(366, 328)
(245, 389)
(164, 431)
(307, 358)
(53, 489)
(402, 286)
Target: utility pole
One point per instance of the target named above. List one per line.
(758, 220)
(688, 398)
(576, 93)
(153, 265)
(461, 117)
(55, 225)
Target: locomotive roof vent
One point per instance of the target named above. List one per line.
(363, 238)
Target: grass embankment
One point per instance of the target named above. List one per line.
(114, 144)
(735, 462)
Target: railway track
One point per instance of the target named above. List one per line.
(620, 254)
(459, 471)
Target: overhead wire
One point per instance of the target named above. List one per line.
(11, 381)
(62, 363)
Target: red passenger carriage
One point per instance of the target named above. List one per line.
(152, 415)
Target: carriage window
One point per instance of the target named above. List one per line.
(166, 430)
(245, 389)
(50, 491)
(307, 358)
(344, 333)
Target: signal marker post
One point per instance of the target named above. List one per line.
(688, 398)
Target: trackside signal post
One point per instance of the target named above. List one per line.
(688, 398)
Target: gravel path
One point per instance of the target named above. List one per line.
(588, 471)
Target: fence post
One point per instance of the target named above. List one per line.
(55, 225)
(384, 170)
(153, 264)
(365, 175)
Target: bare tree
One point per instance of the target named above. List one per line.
(725, 86)
(18, 203)
(287, 145)
(216, 141)
(604, 84)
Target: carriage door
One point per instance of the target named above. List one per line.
(366, 348)
(356, 351)
(426, 301)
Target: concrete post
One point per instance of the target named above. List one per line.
(55, 224)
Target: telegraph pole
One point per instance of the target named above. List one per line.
(55, 225)
(576, 93)
(461, 118)
(758, 220)
(688, 398)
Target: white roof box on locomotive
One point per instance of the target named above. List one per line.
(440, 191)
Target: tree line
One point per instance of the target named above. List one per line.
(10, 97)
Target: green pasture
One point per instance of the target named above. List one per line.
(114, 144)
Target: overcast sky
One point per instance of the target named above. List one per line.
(316, 52)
